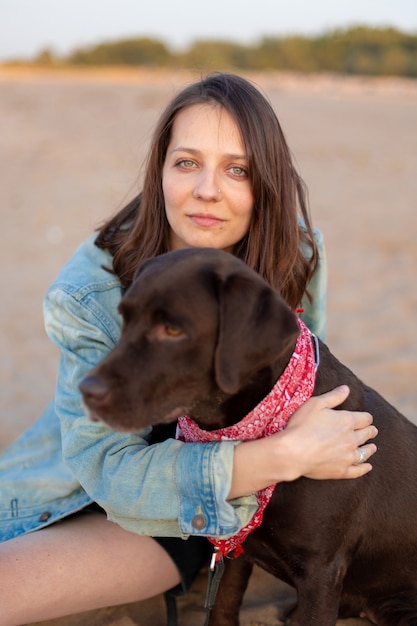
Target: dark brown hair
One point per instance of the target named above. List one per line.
(272, 244)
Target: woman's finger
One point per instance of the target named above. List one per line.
(363, 453)
(365, 434)
(335, 397)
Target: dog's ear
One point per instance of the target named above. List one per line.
(256, 326)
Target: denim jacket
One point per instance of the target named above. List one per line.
(65, 461)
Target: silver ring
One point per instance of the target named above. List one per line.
(362, 455)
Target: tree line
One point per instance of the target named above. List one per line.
(356, 50)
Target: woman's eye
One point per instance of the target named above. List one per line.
(238, 171)
(185, 163)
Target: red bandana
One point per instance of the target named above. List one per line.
(271, 415)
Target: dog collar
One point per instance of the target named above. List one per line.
(271, 415)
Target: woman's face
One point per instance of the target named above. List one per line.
(208, 198)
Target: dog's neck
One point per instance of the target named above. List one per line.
(220, 410)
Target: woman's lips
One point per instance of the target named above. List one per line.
(206, 220)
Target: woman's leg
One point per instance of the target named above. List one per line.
(77, 565)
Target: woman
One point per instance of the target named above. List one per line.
(219, 174)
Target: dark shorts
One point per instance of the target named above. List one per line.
(189, 555)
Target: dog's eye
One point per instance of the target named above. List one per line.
(165, 331)
(172, 331)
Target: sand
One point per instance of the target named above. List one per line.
(71, 153)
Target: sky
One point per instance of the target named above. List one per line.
(29, 26)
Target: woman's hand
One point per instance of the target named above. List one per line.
(327, 443)
(319, 442)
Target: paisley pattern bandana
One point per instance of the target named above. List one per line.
(293, 388)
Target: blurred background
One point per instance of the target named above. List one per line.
(360, 37)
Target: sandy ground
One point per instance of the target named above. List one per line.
(71, 151)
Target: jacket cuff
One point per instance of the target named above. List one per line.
(204, 509)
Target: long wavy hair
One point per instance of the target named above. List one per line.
(276, 245)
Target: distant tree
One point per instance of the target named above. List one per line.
(45, 57)
(216, 54)
(143, 51)
(375, 51)
(286, 53)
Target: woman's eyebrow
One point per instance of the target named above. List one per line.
(195, 151)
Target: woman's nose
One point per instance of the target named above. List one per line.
(207, 188)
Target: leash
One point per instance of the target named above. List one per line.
(215, 574)
(171, 609)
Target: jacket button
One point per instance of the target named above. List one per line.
(45, 516)
(199, 522)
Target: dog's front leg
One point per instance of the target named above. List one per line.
(231, 591)
(318, 598)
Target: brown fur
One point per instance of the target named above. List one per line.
(204, 334)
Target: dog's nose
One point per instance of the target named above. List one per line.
(94, 390)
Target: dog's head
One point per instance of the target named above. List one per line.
(196, 322)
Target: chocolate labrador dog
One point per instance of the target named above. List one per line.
(204, 335)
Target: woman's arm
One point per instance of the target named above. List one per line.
(319, 442)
